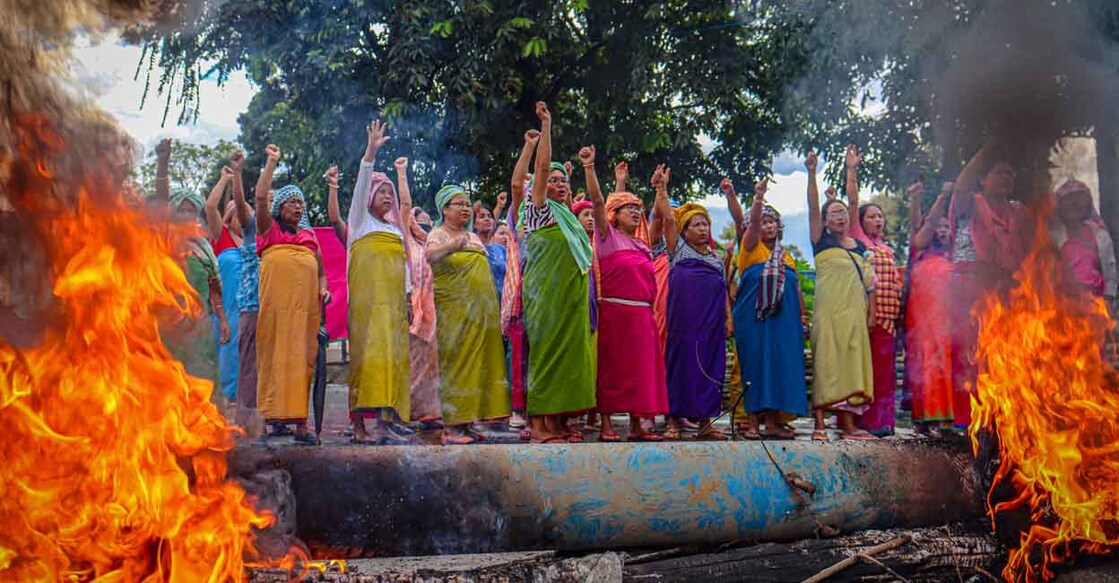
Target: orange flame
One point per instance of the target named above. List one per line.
(114, 463)
(1048, 394)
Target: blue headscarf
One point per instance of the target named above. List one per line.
(283, 195)
(443, 198)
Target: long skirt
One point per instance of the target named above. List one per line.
(696, 355)
(660, 303)
(471, 355)
(631, 374)
(229, 266)
(843, 376)
(967, 288)
(287, 331)
(425, 379)
(378, 326)
(771, 350)
(879, 417)
(928, 349)
(561, 374)
(192, 340)
(518, 362)
(246, 377)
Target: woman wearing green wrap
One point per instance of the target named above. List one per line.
(191, 339)
(561, 366)
(473, 386)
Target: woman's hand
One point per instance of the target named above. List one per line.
(272, 152)
(871, 321)
(831, 193)
(462, 240)
(331, 177)
(542, 113)
(759, 191)
(586, 156)
(401, 165)
(324, 295)
(532, 136)
(236, 160)
(621, 172)
(852, 157)
(375, 134)
(811, 162)
(223, 331)
(727, 187)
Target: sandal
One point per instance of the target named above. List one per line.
(547, 440)
(460, 439)
(820, 435)
(750, 433)
(781, 433)
(526, 434)
(672, 434)
(609, 437)
(646, 436)
(711, 435)
(858, 435)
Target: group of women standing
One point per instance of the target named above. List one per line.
(558, 309)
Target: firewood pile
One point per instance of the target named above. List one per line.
(948, 553)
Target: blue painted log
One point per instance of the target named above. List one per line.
(425, 500)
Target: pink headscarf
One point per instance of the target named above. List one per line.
(580, 207)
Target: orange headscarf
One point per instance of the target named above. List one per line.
(618, 200)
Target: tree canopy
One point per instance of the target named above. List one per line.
(711, 87)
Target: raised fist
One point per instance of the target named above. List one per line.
(586, 155)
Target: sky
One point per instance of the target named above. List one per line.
(107, 69)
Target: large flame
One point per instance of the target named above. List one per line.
(1047, 393)
(113, 466)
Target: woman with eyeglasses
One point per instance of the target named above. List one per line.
(473, 386)
(379, 308)
(560, 379)
(292, 291)
(843, 377)
(990, 236)
(631, 373)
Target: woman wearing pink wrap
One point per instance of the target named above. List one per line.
(631, 372)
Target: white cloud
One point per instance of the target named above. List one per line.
(105, 69)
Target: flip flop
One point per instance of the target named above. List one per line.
(751, 434)
(526, 434)
(547, 440)
(710, 435)
(646, 436)
(857, 436)
(610, 438)
(820, 435)
(672, 434)
(306, 439)
(780, 434)
(456, 439)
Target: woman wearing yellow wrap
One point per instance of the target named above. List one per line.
(471, 354)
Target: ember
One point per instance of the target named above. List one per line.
(1050, 397)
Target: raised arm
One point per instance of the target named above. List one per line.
(733, 205)
(263, 185)
(621, 175)
(520, 171)
(964, 187)
(667, 226)
(210, 209)
(401, 165)
(543, 156)
(333, 213)
(244, 211)
(594, 190)
(753, 232)
(916, 195)
(163, 171)
(852, 159)
(376, 138)
(925, 234)
(815, 220)
(499, 207)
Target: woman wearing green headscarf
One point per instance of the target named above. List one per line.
(191, 338)
(561, 365)
(473, 386)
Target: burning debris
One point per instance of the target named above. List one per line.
(115, 465)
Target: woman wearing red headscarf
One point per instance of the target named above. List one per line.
(631, 373)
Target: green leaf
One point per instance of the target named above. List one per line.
(443, 28)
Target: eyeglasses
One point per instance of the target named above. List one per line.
(557, 180)
(460, 205)
(630, 208)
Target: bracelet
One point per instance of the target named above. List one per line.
(585, 166)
